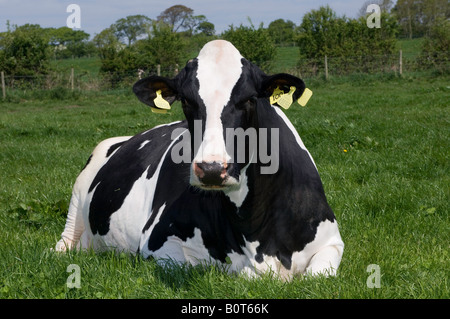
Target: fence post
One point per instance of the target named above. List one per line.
(3, 85)
(71, 78)
(400, 64)
(158, 69)
(326, 68)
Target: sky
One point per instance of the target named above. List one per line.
(98, 15)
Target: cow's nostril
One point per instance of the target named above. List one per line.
(211, 173)
(198, 170)
(228, 169)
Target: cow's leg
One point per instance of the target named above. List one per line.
(77, 223)
(170, 253)
(74, 227)
(327, 249)
(325, 261)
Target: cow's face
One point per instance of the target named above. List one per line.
(220, 92)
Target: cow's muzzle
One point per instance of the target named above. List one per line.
(212, 175)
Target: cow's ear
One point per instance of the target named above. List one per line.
(157, 92)
(282, 84)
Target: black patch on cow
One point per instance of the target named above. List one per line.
(286, 207)
(210, 212)
(113, 147)
(187, 208)
(115, 179)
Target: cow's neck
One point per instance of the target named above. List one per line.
(262, 199)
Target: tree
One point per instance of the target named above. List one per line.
(350, 44)
(107, 43)
(323, 33)
(65, 36)
(196, 24)
(206, 28)
(177, 17)
(25, 50)
(282, 31)
(319, 32)
(131, 27)
(385, 6)
(164, 47)
(254, 44)
(433, 14)
(434, 53)
(417, 17)
(408, 15)
(68, 42)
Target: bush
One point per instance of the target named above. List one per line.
(165, 48)
(349, 41)
(436, 47)
(122, 64)
(25, 51)
(256, 45)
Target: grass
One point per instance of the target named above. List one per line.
(381, 145)
(286, 59)
(410, 47)
(85, 65)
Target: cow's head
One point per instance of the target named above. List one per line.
(219, 89)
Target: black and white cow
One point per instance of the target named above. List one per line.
(133, 196)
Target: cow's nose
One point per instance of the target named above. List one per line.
(211, 174)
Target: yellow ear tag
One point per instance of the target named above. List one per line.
(160, 102)
(277, 93)
(305, 97)
(285, 101)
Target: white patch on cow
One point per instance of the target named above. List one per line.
(126, 223)
(244, 263)
(171, 251)
(219, 69)
(143, 144)
(237, 193)
(294, 131)
(192, 251)
(323, 254)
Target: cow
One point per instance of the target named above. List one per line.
(136, 195)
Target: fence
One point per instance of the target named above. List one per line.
(398, 63)
(325, 67)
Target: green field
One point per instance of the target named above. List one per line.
(381, 144)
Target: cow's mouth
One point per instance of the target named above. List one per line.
(212, 187)
(228, 182)
(212, 176)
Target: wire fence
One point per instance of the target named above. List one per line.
(398, 63)
(324, 67)
(81, 80)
